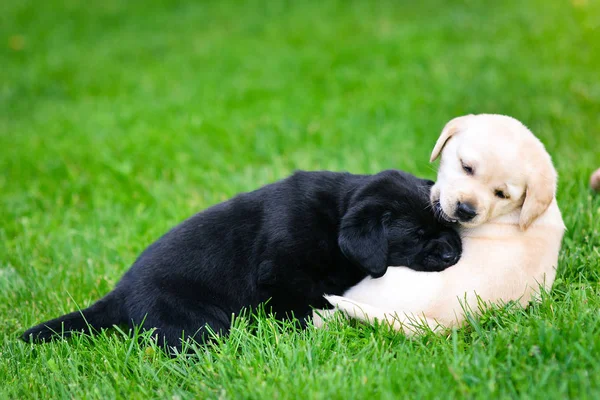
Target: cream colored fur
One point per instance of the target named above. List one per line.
(507, 255)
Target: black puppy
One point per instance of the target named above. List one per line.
(292, 241)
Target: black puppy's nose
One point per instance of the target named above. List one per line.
(465, 211)
(448, 256)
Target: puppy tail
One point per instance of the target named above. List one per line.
(368, 313)
(105, 313)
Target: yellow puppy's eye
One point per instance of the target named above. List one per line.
(500, 194)
(468, 169)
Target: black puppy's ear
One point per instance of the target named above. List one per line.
(363, 239)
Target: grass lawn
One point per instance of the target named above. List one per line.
(118, 119)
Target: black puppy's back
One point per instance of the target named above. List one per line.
(222, 259)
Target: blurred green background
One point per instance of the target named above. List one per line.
(119, 119)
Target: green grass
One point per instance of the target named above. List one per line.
(119, 119)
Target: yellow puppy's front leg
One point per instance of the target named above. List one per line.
(399, 321)
(321, 317)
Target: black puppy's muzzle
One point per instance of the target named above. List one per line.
(442, 252)
(447, 254)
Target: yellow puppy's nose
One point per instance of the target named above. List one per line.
(465, 211)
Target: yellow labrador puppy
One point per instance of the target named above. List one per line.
(497, 180)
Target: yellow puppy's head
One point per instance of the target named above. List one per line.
(490, 166)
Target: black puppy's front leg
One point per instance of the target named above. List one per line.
(287, 292)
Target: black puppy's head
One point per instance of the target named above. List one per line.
(390, 222)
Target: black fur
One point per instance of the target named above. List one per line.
(292, 241)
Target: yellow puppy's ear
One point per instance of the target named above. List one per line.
(451, 128)
(541, 189)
